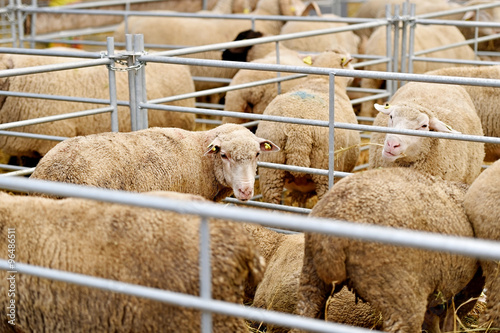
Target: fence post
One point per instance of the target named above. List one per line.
(112, 86)
(140, 83)
(331, 131)
(20, 27)
(205, 273)
(131, 86)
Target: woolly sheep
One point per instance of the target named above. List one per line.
(256, 99)
(426, 37)
(429, 107)
(211, 163)
(47, 22)
(402, 283)
(481, 204)
(485, 99)
(278, 289)
(201, 31)
(152, 248)
(307, 146)
(83, 82)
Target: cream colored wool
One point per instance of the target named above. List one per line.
(168, 159)
(400, 282)
(453, 160)
(482, 206)
(426, 37)
(278, 290)
(152, 248)
(307, 146)
(89, 82)
(485, 99)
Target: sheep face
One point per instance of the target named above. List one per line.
(236, 162)
(409, 148)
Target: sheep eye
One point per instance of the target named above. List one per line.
(424, 126)
(257, 154)
(224, 156)
(390, 116)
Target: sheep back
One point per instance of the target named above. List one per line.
(485, 100)
(400, 282)
(453, 160)
(83, 82)
(152, 248)
(481, 205)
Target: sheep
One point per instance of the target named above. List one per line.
(256, 99)
(211, 163)
(48, 22)
(83, 82)
(278, 289)
(426, 37)
(485, 100)
(307, 146)
(200, 31)
(152, 248)
(481, 205)
(429, 107)
(401, 283)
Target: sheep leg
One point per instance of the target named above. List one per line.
(313, 292)
(271, 185)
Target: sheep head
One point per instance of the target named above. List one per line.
(408, 117)
(236, 156)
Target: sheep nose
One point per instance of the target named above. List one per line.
(392, 144)
(245, 193)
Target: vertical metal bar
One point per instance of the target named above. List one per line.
(13, 23)
(331, 131)
(404, 38)
(205, 273)
(140, 80)
(253, 23)
(112, 86)
(34, 4)
(395, 51)
(20, 28)
(476, 35)
(125, 17)
(204, 4)
(131, 86)
(411, 46)
(388, 43)
(278, 74)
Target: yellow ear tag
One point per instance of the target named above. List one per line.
(246, 11)
(386, 106)
(214, 149)
(292, 8)
(267, 146)
(307, 60)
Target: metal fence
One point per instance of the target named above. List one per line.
(134, 56)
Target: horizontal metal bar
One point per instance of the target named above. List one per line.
(408, 238)
(268, 205)
(33, 136)
(12, 167)
(184, 300)
(53, 67)
(54, 53)
(61, 98)
(18, 173)
(54, 118)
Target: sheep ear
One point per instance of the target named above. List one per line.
(386, 108)
(311, 6)
(214, 147)
(438, 126)
(266, 145)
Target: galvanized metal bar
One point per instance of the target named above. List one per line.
(33, 136)
(112, 87)
(267, 205)
(454, 45)
(411, 46)
(140, 82)
(185, 300)
(55, 53)
(12, 167)
(48, 119)
(395, 51)
(278, 74)
(404, 38)
(408, 238)
(60, 98)
(33, 24)
(15, 40)
(205, 273)
(51, 68)
(331, 131)
(18, 173)
(389, 47)
(131, 86)
(20, 21)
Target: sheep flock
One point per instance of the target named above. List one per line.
(341, 157)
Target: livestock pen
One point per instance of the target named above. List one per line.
(133, 61)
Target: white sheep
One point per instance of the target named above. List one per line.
(201, 31)
(278, 290)
(148, 247)
(481, 204)
(429, 107)
(426, 37)
(400, 282)
(485, 99)
(307, 146)
(211, 163)
(256, 99)
(89, 82)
